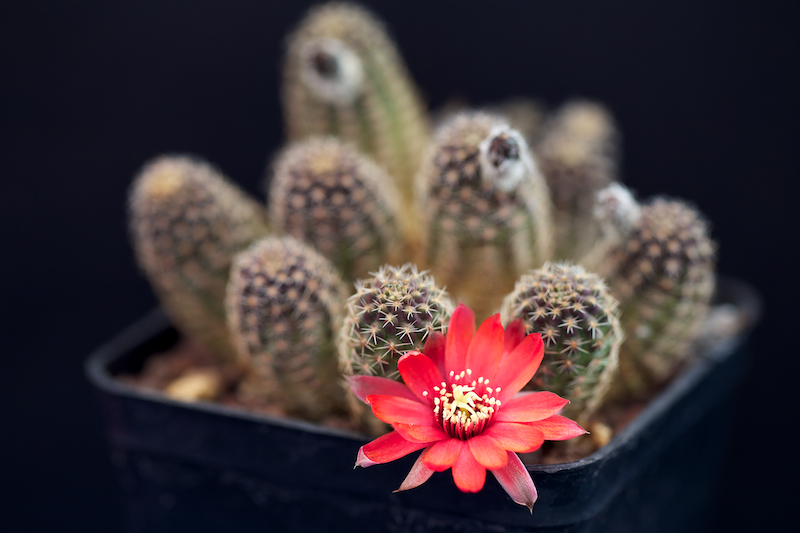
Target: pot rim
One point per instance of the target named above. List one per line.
(98, 372)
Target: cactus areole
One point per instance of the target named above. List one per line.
(459, 404)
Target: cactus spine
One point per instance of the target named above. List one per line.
(331, 196)
(486, 210)
(284, 304)
(344, 77)
(187, 222)
(664, 276)
(390, 314)
(579, 323)
(577, 155)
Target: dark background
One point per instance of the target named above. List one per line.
(705, 94)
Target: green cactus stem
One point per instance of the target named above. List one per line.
(664, 277)
(344, 77)
(579, 322)
(577, 155)
(284, 305)
(391, 313)
(187, 222)
(486, 210)
(328, 194)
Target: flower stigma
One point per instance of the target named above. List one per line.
(464, 409)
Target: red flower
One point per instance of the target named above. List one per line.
(459, 403)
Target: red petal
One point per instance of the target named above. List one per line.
(385, 449)
(486, 348)
(530, 407)
(443, 454)
(363, 386)
(515, 333)
(417, 433)
(420, 374)
(392, 409)
(435, 349)
(516, 481)
(558, 427)
(520, 438)
(459, 334)
(487, 451)
(468, 474)
(418, 475)
(518, 367)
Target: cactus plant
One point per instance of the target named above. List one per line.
(361, 184)
(344, 77)
(578, 320)
(328, 194)
(577, 156)
(391, 313)
(284, 302)
(664, 276)
(485, 209)
(187, 222)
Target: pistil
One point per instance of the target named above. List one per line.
(464, 407)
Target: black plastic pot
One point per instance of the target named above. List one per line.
(205, 467)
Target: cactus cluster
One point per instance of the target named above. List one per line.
(577, 155)
(492, 203)
(187, 222)
(663, 273)
(331, 196)
(390, 314)
(344, 77)
(579, 323)
(485, 209)
(283, 303)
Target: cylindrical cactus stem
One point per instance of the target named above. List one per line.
(330, 195)
(187, 223)
(284, 305)
(485, 208)
(577, 155)
(344, 77)
(578, 319)
(390, 314)
(664, 277)
(615, 213)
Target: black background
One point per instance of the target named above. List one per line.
(705, 94)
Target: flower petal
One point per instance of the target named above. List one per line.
(522, 438)
(515, 333)
(418, 475)
(487, 451)
(363, 386)
(385, 449)
(417, 433)
(443, 454)
(392, 409)
(558, 427)
(459, 335)
(486, 349)
(530, 407)
(435, 349)
(516, 481)
(420, 374)
(468, 474)
(518, 367)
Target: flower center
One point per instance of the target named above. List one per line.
(464, 406)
